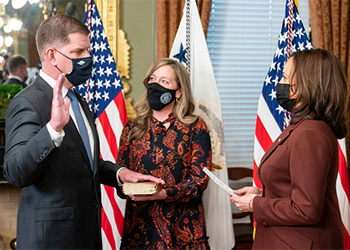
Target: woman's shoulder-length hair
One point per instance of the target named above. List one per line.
(184, 106)
(321, 88)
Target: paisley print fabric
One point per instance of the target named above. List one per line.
(177, 155)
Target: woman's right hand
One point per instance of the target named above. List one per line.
(160, 195)
(248, 190)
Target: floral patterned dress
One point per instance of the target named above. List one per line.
(177, 155)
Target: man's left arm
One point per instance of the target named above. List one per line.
(108, 173)
(109, 170)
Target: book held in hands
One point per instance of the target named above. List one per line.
(141, 188)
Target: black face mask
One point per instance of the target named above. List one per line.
(159, 97)
(282, 96)
(81, 70)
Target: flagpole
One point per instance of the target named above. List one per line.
(290, 27)
(287, 116)
(89, 27)
(188, 36)
(89, 16)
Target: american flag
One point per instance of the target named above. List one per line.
(272, 119)
(103, 91)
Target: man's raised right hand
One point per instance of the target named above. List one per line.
(60, 107)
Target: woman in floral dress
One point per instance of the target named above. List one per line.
(168, 141)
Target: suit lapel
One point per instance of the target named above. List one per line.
(46, 93)
(73, 132)
(274, 145)
(90, 119)
(283, 136)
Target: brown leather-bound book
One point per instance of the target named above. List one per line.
(141, 188)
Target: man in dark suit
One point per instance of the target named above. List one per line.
(17, 66)
(51, 155)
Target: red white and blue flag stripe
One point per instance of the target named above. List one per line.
(103, 91)
(272, 119)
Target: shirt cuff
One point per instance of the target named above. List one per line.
(120, 183)
(56, 137)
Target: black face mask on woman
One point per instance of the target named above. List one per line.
(81, 70)
(282, 96)
(159, 97)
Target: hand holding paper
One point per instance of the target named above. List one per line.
(219, 182)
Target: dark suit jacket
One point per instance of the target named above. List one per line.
(15, 81)
(60, 204)
(299, 208)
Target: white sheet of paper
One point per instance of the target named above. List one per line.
(219, 182)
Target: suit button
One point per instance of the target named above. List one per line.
(264, 224)
(96, 204)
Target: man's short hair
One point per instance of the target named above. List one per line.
(55, 30)
(14, 62)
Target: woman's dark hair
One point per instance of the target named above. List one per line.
(321, 87)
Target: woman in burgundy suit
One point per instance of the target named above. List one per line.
(298, 206)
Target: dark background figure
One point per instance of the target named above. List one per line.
(3, 64)
(5, 74)
(17, 66)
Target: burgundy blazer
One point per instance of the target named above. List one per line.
(299, 208)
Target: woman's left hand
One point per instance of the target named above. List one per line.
(160, 195)
(244, 203)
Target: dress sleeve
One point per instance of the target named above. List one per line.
(196, 180)
(310, 162)
(123, 154)
(124, 147)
